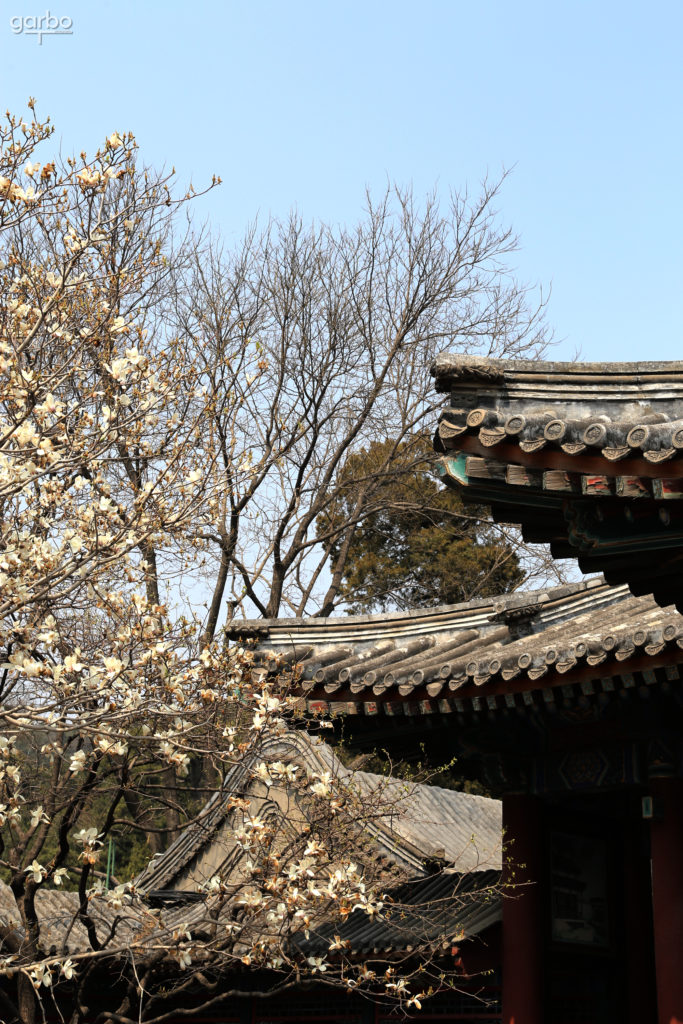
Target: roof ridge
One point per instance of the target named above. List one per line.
(461, 366)
(498, 602)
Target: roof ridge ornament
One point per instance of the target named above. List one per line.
(474, 368)
(516, 613)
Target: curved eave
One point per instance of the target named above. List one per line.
(428, 818)
(587, 457)
(629, 528)
(634, 679)
(593, 640)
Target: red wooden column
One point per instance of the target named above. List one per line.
(523, 912)
(666, 845)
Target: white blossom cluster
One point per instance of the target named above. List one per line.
(105, 691)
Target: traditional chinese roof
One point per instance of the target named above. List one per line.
(122, 926)
(423, 825)
(448, 905)
(422, 822)
(584, 456)
(516, 651)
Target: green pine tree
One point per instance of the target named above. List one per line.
(420, 547)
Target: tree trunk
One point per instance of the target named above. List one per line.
(26, 1000)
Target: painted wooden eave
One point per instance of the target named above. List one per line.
(587, 457)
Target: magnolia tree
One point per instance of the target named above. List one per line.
(109, 696)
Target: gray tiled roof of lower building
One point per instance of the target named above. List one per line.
(421, 822)
(446, 907)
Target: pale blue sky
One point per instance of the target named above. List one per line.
(305, 103)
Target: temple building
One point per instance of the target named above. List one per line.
(567, 703)
(564, 705)
(587, 457)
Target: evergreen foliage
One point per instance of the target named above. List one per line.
(419, 546)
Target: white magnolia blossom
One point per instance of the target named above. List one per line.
(323, 787)
(38, 815)
(78, 761)
(115, 696)
(68, 969)
(37, 872)
(41, 975)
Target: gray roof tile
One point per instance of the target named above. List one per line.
(546, 635)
